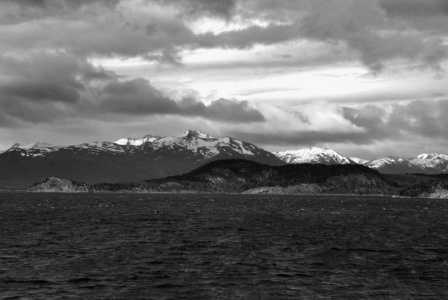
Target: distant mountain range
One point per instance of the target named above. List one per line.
(153, 156)
(313, 155)
(424, 163)
(125, 160)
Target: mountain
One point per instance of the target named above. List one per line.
(244, 176)
(236, 176)
(126, 160)
(138, 142)
(313, 155)
(36, 145)
(423, 163)
(392, 165)
(359, 161)
(248, 177)
(431, 161)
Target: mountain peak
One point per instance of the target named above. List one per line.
(137, 142)
(359, 161)
(36, 145)
(151, 137)
(16, 145)
(432, 156)
(313, 155)
(197, 134)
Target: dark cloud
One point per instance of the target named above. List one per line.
(363, 26)
(425, 118)
(19, 11)
(301, 138)
(139, 97)
(420, 118)
(47, 87)
(368, 116)
(42, 87)
(220, 8)
(40, 91)
(44, 77)
(419, 8)
(74, 4)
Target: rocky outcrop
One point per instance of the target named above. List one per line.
(56, 184)
(438, 194)
(437, 191)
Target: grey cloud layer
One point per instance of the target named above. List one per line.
(52, 86)
(45, 47)
(417, 119)
(420, 8)
(139, 97)
(367, 27)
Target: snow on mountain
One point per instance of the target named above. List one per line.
(313, 155)
(36, 145)
(137, 142)
(202, 145)
(386, 161)
(191, 144)
(431, 161)
(423, 163)
(359, 161)
(152, 157)
(33, 149)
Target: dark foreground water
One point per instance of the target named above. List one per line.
(115, 246)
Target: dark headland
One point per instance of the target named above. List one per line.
(243, 176)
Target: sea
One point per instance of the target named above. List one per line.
(221, 246)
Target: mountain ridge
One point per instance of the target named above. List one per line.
(433, 163)
(153, 156)
(108, 161)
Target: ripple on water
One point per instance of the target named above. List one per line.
(63, 246)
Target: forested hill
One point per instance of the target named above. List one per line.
(243, 176)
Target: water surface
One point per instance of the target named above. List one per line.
(170, 246)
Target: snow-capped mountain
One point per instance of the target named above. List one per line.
(431, 161)
(124, 160)
(391, 165)
(36, 145)
(423, 163)
(359, 161)
(137, 142)
(200, 145)
(313, 155)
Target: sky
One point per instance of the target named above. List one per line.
(367, 78)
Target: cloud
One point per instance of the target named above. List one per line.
(415, 8)
(47, 87)
(220, 8)
(391, 123)
(139, 97)
(301, 138)
(53, 5)
(151, 30)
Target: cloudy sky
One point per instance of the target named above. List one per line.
(366, 78)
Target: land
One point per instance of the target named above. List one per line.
(248, 177)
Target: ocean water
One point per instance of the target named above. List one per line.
(182, 246)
